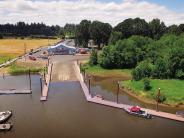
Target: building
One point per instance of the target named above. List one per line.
(61, 49)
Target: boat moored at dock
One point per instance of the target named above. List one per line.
(5, 115)
(137, 111)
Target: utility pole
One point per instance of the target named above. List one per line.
(158, 98)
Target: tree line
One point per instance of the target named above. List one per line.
(104, 33)
(163, 58)
(22, 29)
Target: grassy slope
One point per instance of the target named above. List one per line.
(172, 89)
(99, 71)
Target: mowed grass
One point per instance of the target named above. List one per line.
(6, 58)
(16, 47)
(172, 89)
(99, 71)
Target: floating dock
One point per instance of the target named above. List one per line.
(46, 84)
(14, 91)
(97, 100)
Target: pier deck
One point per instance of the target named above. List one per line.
(118, 105)
(46, 85)
(14, 91)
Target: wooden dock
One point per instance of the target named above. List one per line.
(14, 91)
(46, 84)
(97, 100)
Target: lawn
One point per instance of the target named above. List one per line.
(6, 58)
(99, 71)
(173, 90)
(16, 47)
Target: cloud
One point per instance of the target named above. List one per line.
(73, 11)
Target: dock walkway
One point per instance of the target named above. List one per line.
(118, 105)
(6, 92)
(47, 83)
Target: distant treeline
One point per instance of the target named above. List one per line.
(22, 29)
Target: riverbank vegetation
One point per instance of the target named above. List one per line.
(171, 90)
(96, 70)
(15, 69)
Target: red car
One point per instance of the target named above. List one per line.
(32, 58)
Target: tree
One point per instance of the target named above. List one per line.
(173, 29)
(143, 70)
(93, 57)
(161, 70)
(100, 32)
(157, 28)
(82, 33)
(131, 27)
(114, 37)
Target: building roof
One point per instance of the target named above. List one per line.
(61, 44)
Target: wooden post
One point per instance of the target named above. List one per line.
(89, 84)
(30, 80)
(118, 93)
(77, 62)
(158, 97)
(3, 76)
(41, 84)
(51, 71)
(84, 74)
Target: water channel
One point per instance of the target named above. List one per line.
(67, 114)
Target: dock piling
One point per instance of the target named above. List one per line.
(30, 80)
(41, 84)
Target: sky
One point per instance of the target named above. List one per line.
(60, 12)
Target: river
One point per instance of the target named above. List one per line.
(68, 114)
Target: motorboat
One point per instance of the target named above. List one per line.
(5, 115)
(137, 111)
(5, 127)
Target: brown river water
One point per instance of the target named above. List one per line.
(67, 114)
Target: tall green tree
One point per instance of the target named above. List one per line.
(157, 28)
(100, 32)
(82, 33)
(131, 27)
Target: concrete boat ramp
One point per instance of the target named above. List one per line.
(100, 101)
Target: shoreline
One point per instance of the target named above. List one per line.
(143, 100)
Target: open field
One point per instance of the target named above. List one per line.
(99, 71)
(16, 47)
(173, 90)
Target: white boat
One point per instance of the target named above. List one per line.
(5, 116)
(6, 126)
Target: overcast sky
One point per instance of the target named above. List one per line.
(60, 12)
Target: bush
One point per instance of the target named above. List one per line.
(94, 57)
(147, 85)
(144, 69)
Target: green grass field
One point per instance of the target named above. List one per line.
(172, 89)
(99, 71)
(16, 69)
(3, 59)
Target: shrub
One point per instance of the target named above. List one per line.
(147, 85)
